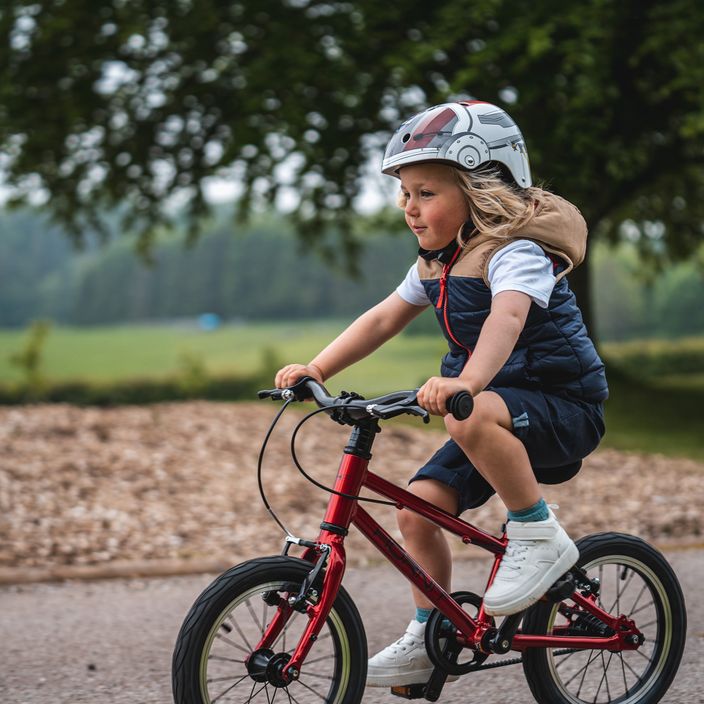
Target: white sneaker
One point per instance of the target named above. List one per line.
(537, 555)
(404, 662)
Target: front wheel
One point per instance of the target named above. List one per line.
(636, 581)
(230, 617)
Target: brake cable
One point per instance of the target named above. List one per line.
(259, 468)
(317, 483)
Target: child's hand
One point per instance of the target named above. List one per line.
(291, 373)
(434, 393)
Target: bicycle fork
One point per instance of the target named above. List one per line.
(327, 554)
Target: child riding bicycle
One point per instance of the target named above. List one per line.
(493, 256)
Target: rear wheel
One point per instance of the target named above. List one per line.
(229, 618)
(637, 582)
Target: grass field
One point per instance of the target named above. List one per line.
(666, 416)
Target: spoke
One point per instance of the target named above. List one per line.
(592, 657)
(254, 616)
(211, 680)
(619, 579)
(320, 659)
(231, 687)
(219, 636)
(253, 694)
(320, 677)
(605, 678)
(639, 679)
(266, 692)
(264, 605)
(291, 698)
(647, 625)
(317, 694)
(642, 608)
(623, 670)
(569, 655)
(635, 603)
(643, 655)
(221, 657)
(620, 591)
(288, 625)
(241, 632)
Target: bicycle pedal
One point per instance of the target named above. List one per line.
(562, 589)
(409, 691)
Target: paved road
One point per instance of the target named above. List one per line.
(110, 642)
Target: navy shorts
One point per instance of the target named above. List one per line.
(557, 433)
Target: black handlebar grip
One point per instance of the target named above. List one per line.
(460, 405)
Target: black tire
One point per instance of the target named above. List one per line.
(638, 582)
(226, 621)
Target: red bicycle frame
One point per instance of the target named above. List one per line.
(352, 476)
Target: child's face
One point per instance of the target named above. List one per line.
(436, 207)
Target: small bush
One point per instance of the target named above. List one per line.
(655, 358)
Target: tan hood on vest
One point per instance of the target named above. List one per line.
(558, 227)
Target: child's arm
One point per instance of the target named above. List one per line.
(371, 330)
(503, 325)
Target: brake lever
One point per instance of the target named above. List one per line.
(396, 410)
(273, 394)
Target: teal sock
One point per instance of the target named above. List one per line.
(537, 512)
(422, 615)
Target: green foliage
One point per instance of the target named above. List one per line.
(134, 391)
(632, 302)
(654, 359)
(140, 101)
(192, 374)
(258, 273)
(29, 360)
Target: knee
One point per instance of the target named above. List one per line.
(484, 418)
(415, 528)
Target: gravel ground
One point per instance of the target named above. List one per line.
(110, 642)
(82, 487)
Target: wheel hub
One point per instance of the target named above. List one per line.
(264, 665)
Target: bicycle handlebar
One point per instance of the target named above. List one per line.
(351, 407)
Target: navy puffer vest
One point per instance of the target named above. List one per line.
(554, 352)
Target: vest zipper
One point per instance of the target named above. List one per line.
(443, 301)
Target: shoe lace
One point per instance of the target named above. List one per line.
(515, 555)
(407, 640)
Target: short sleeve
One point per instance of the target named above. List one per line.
(522, 266)
(411, 289)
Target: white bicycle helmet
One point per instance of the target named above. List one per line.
(465, 134)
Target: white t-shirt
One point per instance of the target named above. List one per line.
(519, 266)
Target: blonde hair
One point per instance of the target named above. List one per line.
(497, 207)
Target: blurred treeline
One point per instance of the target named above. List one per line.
(262, 272)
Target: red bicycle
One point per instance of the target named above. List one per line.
(612, 629)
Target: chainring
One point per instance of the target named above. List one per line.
(446, 655)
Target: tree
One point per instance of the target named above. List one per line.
(125, 103)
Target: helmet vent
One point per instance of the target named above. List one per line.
(496, 118)
(406, 137)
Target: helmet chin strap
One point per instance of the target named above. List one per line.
(445, 254)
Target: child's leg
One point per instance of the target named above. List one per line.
(425, 541)
(538, 550)
(406, 661)
(487, 438)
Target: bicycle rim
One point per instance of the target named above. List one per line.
(629, 587)
(223, 673)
